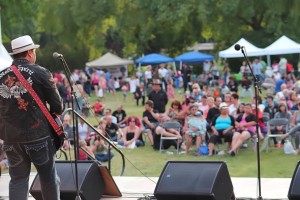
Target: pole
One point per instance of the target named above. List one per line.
(75, 133)
(257, 91)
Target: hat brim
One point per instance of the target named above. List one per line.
(224, 107)
(27, 48)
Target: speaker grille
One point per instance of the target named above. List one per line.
(194, 180)
(294, 191)
(90, 181)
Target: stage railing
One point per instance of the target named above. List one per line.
(110, 143)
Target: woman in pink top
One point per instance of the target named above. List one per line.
(245, 128)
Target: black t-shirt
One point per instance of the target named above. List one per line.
(212, 112)
(119, 115)
(271, 110)
(111, 129)
(160, 100)
(148, 114)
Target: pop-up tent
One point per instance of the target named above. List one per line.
(193, 57)
(250, 49)
(114, 64)
(108, 60)
(282, 45)
(153, 59)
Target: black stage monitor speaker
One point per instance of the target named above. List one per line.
(294, 191)
(90, 181)
(194, 180)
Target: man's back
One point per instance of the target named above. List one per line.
(22, 119)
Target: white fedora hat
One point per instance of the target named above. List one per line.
(21, 44)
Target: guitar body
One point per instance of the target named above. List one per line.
(58, 139)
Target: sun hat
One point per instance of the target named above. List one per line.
(22, 44)
(223, 106)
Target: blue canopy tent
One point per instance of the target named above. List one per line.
(193, 57)
(153, 59)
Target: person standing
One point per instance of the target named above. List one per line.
(25, 130)
(159, 97)
(186, 76)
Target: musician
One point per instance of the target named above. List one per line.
(26, 132)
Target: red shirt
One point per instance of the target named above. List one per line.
(98, 107)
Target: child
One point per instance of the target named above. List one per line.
(196, 126)
(98, 107)
(82, 154)
(170, 90)
(124, 91)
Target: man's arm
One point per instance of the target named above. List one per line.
(51, 93)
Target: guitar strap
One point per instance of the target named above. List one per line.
(39, 102)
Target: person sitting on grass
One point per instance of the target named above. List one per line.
(121, 116)
(112, 131)
(98, 107)
(132, 136)
(195, 126)
(100, 149)
(245, 126)
(82, 153)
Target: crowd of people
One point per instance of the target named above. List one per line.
(207, 114)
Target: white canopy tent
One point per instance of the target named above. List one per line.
(112, 63)
(283, 45)
(251, 50)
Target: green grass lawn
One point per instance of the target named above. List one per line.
(146, 161)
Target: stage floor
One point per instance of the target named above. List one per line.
(136, 187)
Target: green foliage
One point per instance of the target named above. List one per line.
(84, 30)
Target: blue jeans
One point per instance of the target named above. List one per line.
(104, 157)
(244, 90)
(20, 156)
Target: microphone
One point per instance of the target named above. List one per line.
(57, 55)
(238, 47)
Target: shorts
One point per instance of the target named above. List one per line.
(195, 133)
(155, 124)
(251, 132)
(218, 138)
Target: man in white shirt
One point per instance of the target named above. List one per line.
(162, 71)
(148, 75)
(282, 66)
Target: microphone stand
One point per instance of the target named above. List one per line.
(257, 90)
(75, 124)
